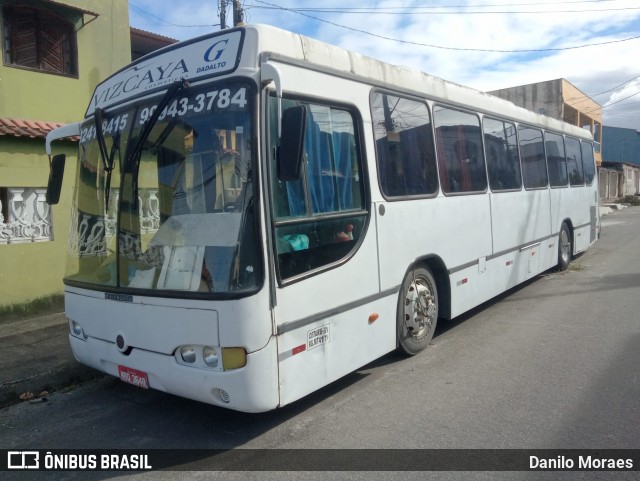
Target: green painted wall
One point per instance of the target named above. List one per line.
(34, 270)
(104, 46)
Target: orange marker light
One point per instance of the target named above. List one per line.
(373, 317)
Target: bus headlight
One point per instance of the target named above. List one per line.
(77, 331)
(210, 356)
(188, 354)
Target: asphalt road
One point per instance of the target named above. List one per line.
(554, 364)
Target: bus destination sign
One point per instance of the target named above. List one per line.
(214, 55)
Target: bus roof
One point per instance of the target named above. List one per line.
(281, 44)
(222, 53)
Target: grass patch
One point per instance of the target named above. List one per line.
(38, 307)
(577, 266)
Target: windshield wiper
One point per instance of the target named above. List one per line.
(107, 160)
(136, 150)
(146, 131)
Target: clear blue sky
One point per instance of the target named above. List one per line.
(485, 44)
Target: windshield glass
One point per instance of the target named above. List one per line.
(173, 210)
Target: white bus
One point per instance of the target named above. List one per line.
(257, 214)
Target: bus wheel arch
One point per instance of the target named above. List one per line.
(423, 298)
(565, 245)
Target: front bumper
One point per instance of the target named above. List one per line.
(252, 388)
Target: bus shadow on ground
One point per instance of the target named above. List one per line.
(446, 325)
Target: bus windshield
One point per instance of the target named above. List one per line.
(171, 208)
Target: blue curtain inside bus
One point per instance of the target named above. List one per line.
(329, 172)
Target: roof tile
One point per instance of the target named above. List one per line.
(34, 129)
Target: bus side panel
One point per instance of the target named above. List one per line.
(519, 219)
(573, 204)
(594, 214)
(581, 239)
(523, 239)
(587, 226)
(314, 355)
(342, 298)
(521, 248)
(562, 207)
(456, 229)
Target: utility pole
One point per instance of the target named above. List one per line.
(238, 13)
(223, 14)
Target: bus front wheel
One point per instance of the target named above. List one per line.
(417, 310)
(564, 248)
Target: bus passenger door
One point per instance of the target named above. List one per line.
(325, 257)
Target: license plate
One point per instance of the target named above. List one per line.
(133, 376)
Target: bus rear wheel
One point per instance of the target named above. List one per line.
(564, 248)
(417, 311)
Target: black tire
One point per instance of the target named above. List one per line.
(565, 247)
(417, 310)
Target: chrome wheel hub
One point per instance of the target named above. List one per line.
(419, 309)
(565, 246)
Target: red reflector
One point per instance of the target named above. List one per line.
(509, 263)
(373, 317)
(299, 349)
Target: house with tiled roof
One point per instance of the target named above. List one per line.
(54, 53)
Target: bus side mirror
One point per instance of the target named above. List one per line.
(291, 151)
(55, 179)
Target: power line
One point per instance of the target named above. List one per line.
(617, 86)
(618, 101)
(632, 103)
(167, 22)
(276, 7)
(588, 97)
(427, 7)
(376, 11)
(626, 113)
(613, 103)
(459, 49)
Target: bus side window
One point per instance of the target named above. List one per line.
(319, 217)
(503, 162)
(534, 168)
(556, 160)
(404, 146)
(588, 164)
(459, 148)
(574, 161)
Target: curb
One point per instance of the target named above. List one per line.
(37, 360)
(42, 384)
